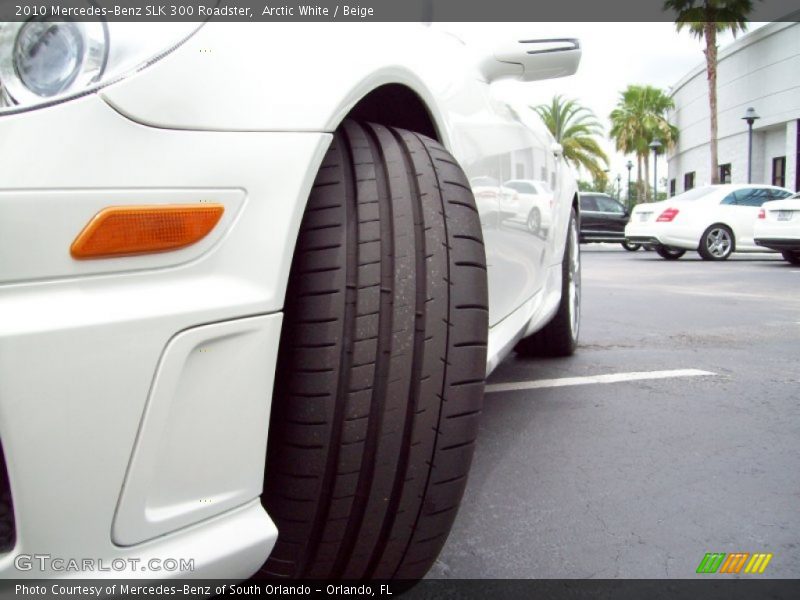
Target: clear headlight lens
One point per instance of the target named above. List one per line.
(48, 58)
(44, 61)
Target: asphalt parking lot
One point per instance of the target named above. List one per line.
(640, 478)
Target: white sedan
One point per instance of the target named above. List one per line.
(534, 204)
(714, 220)
(778, 227)
(247, 300)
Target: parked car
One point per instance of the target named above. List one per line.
(534, 203)
(603, 219)
(248, 300)
(778, 227)
(499, 200)
(714, 220)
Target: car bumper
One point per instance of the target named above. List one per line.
(135, 392)
(661, 234)
(779, 244)
(778, 235)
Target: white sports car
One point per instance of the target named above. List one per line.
(715, 220)
(778, 227)
(247, 301)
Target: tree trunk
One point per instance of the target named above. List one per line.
(710, 33)
(638, 178)
(647, 177)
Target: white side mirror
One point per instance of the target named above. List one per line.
(532, 60)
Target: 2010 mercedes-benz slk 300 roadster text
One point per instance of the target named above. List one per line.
(248, 298)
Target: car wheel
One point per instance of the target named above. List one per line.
(716, 243)
(669, 253)
(631, 247)
(560, 336)
(792, 257)
(6, 509)
(534, 220)
(382, 361)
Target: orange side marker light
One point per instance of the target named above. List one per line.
(131, 230)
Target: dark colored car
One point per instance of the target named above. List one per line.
(603, 219)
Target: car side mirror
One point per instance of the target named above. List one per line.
(532, 60)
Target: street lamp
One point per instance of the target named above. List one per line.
(750, 116)
(630, 166)
(655, 145)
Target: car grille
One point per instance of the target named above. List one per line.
(7, 531)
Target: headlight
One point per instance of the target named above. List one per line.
(47, 58)
(44, 61)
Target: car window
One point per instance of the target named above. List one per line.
(609, 205)
(749, 197)
(779, 194)
(757, 197)
(484, 182)
(588, 203)
(523, 187)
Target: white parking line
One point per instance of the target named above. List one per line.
(609, 378)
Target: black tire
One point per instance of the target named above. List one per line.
(716, 243)
(534, 220)
(669, 253)
(381, 364)
(631, 247)
(6, 509)
(792, 257)
(560, 336)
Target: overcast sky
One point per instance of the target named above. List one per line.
(614, 56)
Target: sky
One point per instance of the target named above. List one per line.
(614, 56)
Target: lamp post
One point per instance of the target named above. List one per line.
(630, 166)
(655, 145)
(750, 116)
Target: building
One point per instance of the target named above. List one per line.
(761, 70)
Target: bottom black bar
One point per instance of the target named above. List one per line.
(466, 589)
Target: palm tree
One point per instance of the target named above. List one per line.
(705, 19)
(638, 119)
(575, 127)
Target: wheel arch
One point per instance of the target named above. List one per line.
(396, 105)
(394, 97)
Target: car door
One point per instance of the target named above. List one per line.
(590, 217)
(491, 144)
(740, 208)
(613, 217)
(493, 141)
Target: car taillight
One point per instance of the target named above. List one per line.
(667, 215)
(762, 214)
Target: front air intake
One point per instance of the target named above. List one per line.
(7, 532)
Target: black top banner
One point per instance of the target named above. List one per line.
(369, 10)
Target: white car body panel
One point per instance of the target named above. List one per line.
(695, 216)
(94, 441)
(781, 221)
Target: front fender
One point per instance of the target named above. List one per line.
(282, 77)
